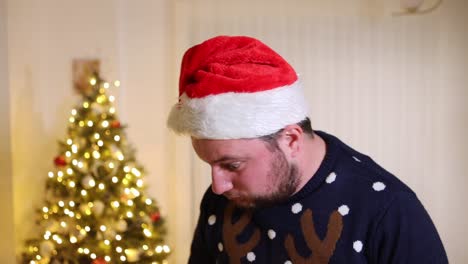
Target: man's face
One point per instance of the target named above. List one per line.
(248, 172)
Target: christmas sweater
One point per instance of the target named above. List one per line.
(350, 211)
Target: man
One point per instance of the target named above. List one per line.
(282, 192)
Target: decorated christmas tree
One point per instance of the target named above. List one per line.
(96, 209)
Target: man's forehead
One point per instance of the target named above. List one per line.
(216, 149)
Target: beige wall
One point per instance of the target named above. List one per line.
(7, 254)
(392, 87)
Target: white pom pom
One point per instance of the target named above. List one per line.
(357, 245)
(296, 208)
(378, 186)
(331, 178)
(251, 256)
(343, 210)
(212, 219)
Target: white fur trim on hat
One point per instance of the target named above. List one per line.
(239, 115)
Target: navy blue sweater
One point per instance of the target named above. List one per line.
(351, 211)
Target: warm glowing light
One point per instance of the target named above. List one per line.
(80, 164)
(105, 123)
(87, 228)
(111, 165)
(90, 123)
(118, 249)
(103, 228)
(101, 186)
(147, 232)
(158, 249)
(100, 143)
(148, 201)
(92, 182)
(115, 204)
(87, 155)
(135, 192)
(74, 112)
(86, 251)
(69, 171)
(69, 141)
(106, 85)
(120, 156)
(92, 81)
(127, 169)
(85, 104)
(166, 249)
(123, 258)
(115, 179)
(61, 203)
(60, 173)
(111, 98)
(81, 123)
(118, 237)
(96, 154)
(51, 174)
(71, 119)
(145, 247)
(73, 239)
(80, 250)
(117, 138)
(101, 99)
(107, 258)
(136, 172)
(130, 202)
(84, 192)
(93, 256)
(139, 183)
(45, 209)
(117, 83)
(63, 224)
(75, 162)
(112, 110)
(129, 214)
(107, 242)
(72, 203)
(71, 184)
(74, 148)
(96, 135)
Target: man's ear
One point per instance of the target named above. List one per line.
(291, 140)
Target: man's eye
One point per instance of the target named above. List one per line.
(232, 166)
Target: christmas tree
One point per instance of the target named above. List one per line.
(95, 209)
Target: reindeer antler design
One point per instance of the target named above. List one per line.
(235, 250)
(322, 250)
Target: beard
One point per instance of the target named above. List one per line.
(284, 178)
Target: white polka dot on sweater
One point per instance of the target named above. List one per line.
(296, 208)
(251, 256)
(378, 186)
(343, 210)
(287, 262)
(220, 247)
(271, 234)
(212, 219)
(357, 245)
(356, 159)
(331, 178)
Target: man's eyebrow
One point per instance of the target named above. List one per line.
(225, 158)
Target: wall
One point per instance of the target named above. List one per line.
(392, 87)
(7, 254)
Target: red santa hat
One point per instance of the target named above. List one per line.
(236, 87)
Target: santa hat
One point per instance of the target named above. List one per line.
(236, 87)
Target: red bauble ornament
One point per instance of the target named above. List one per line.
(60, 161)
(155, 216)
(115, 124)
(99, 261)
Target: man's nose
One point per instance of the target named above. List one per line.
(220, 183)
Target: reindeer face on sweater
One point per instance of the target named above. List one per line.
(247, 171)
